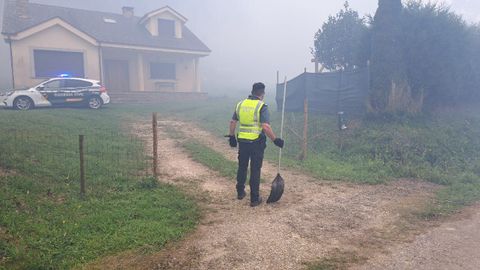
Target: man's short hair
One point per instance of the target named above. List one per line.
(258, 89)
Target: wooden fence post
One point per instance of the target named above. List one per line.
(303, 156)
(155, 144)
(82, 165)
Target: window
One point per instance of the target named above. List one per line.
(163, 71)
(108, 20)
(166, 28)
(50, 64)
(53, 84)
(72, 83)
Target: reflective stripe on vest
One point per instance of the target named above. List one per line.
(248, 113)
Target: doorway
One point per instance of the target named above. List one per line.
(117, 75)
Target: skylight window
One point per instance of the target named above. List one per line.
(109, 20)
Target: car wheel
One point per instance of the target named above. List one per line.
(95, 103)
(23, 103)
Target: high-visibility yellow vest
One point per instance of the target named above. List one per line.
(248, 113)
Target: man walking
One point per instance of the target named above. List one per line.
(254, 118)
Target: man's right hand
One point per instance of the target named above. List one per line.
(279, 142)
(232, 141)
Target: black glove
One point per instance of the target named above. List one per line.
(232, 140)
(279, 142)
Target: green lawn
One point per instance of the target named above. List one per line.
(44, 224)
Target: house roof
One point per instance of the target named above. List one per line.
(163, 9)
(126, 31)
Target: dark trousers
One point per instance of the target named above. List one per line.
(253, 152)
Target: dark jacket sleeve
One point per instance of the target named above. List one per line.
(264, 114)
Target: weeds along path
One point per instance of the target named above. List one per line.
(313, 220)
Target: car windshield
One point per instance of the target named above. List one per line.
(42, 83)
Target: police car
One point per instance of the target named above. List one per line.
(62, 91)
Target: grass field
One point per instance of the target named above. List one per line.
(44, 224)
(441, 148)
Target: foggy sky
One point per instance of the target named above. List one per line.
(5, 74)
(252, 39)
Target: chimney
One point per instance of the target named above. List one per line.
(128, 12)
(21, 8)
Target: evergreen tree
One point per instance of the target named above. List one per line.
(390, 91)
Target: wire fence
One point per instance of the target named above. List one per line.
(107, 156)
(113, 153)
(312, 133)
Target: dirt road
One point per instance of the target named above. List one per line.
(314, 219)
(453, 245)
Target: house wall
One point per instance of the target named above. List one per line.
(185, 71)
(5, 64)
(53, 38)
(186, 76)
(185, 68)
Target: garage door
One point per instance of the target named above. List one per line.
(50, 64)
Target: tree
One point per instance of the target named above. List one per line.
(439, 49)
(474, 62)
(342, 42)
(390, 90)
(422, 55)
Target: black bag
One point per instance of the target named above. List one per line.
(278, 186)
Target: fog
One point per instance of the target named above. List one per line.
(5, 76)
(251, 39)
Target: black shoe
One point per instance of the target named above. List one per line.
(256, 203)
(241, 195)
